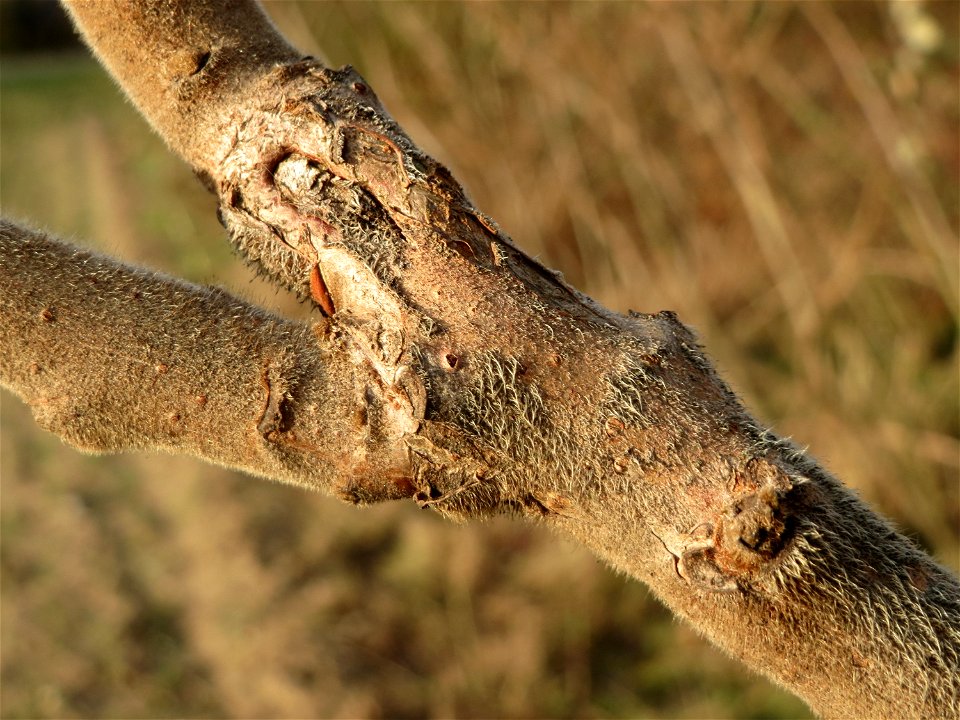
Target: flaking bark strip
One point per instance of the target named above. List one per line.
(277, 388)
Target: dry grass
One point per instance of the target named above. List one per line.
(783, 176)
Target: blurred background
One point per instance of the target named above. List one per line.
(784, 176)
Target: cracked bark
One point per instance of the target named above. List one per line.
(455, 370)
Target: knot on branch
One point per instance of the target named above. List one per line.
(749, 536)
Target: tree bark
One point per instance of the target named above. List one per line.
(482, 382)
(113, 358)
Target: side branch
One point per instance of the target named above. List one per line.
(114, 358)
(186, 65)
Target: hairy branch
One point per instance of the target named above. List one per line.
(113, 358)
(188, 66)
(454, 369)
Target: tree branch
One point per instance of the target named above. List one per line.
(188, 67)
(487, 383)
(113, 358)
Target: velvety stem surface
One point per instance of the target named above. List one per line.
(114, 358)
